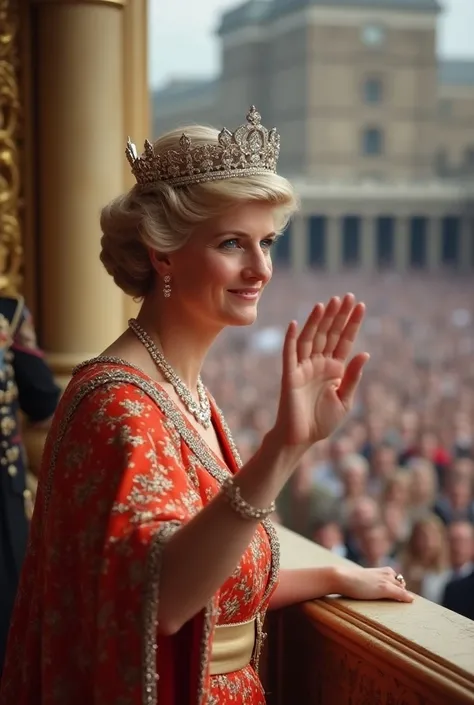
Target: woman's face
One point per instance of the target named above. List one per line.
(427, 542)
(219, 275)
(421, 486)
(398, 493)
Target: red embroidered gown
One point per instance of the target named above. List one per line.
(122, 470)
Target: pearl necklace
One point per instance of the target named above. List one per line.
(202, 410)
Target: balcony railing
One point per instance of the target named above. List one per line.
(336, 651)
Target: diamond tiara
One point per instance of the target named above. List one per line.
(251, 149)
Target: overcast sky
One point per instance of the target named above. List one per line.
(181, 37)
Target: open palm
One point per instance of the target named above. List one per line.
(318, 387)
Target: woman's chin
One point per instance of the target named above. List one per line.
(243, 319)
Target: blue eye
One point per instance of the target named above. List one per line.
(234, 243)
(229, 244)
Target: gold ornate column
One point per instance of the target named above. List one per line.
(79, 83)
(136, 91)
(11, 119)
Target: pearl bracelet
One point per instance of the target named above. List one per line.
(232, 493)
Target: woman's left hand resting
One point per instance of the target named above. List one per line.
(303, 584)
(371, 584)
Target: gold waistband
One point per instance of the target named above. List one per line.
(232, 647)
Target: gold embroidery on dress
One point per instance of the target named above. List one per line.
(206, 457)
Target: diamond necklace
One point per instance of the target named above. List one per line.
(202, 410)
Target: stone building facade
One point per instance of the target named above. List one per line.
(377, 133)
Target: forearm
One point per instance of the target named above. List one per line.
(204, 553)
(305, 584)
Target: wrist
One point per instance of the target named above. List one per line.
(341, 579)
(288, 456)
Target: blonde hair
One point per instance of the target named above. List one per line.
(162, 218)
(401, 478)
(422, 467)
(411, 557)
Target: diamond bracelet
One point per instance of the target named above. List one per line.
(232, 493)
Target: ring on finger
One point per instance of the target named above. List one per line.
(400, 579)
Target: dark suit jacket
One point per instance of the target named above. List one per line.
(459, 596)
(26, 384)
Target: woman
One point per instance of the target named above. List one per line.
(423, 487)
(425, 559)
(152, 564)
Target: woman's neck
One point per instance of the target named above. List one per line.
(183, 343)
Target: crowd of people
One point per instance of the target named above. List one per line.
(395, 484)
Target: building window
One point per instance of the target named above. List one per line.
(373, 91)
(351, 241)
(450, 241)
(317, 240)
(281, 255)
(385, 241)
(418, 242)
(469, 158)
(372, 142)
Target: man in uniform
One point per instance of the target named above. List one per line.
(26, 385)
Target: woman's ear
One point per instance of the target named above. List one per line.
(160, 262)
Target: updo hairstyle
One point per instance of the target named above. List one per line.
(162, 217)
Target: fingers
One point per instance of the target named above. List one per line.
(339, 325)
(349, 333)
(351, 379)
(290, 356)
(396, 592)
(321, 332)
(305, 340)
(331, 330)
(396, 586)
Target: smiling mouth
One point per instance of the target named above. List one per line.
(249, 294)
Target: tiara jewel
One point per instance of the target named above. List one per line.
(251, 149)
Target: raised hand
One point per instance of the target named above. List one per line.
(318, 387)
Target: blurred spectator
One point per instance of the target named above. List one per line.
(456, 501)
(394, 484)
(383, 465)
(461, 548)
(364, 513)
(429, 447)
(354, 475)
(376, 547)
(397, 522)
(425, 560)
(330, 535)
(327, 473)
(424, 486)
(459, 592)
(398, 489)
(459, 596)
